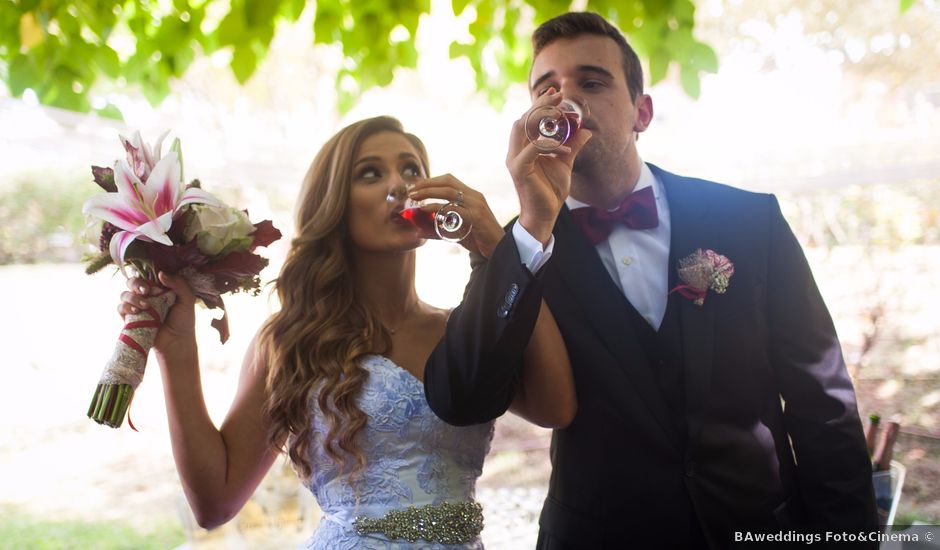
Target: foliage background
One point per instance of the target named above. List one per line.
(63, 50)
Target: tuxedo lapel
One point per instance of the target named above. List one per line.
(607, 310)
(687, 209)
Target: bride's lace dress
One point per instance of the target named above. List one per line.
(412, 458)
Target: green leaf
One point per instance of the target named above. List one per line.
(66, 98)
(172, 35)
(345, 101)
(407, 54)
(100, 21)
(457, 49)
(684, 12)
(107, 60)
(326, 25)
(22, 75)
(659, 66)
(68, 23)
(408, 18)
(383, 76)
(680, 41)
(10, 26)
(261, 12)
(156, 86)
(509, 26)
(688, 75)
(546, 9)
(244, 62)
(906, 5)
(293, 9)
(28, 5)
(138, 23)
(138, 65)
(110, 111)
(75, 59)
(703, 57)
(263, 34)
(231, 29)
(181, 61)
(646, 39)
(459, 5)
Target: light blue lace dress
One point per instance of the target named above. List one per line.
(412, 459)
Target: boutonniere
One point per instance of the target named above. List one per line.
(701, 271)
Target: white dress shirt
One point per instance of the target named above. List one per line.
(636, 259)
(531, 253)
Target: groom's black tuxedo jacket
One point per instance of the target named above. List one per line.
(737, 414)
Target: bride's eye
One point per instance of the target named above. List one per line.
(411, 170)
(368, 172)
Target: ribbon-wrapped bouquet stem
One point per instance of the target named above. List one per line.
(152, 222)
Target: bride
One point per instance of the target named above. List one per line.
(334, 378)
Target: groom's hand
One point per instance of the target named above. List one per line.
(542, 180)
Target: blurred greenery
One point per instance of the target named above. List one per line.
(872, 46)
(858, 215)
(41, 217)
(913, 516)
(18, 531)
(63, 50)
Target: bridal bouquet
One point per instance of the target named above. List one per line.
(152, 222)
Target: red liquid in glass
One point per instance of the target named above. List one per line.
(574, 120)
(423, 221)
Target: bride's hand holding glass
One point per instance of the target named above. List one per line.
(433, 221)
(459, 200)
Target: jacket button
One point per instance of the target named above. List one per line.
(690, 469)
(511, 294)
(502, 312)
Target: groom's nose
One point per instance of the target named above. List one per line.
(568, 87)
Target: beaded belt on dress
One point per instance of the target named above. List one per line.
(445, 523)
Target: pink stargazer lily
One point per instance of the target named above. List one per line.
(144, 210)
(140, 156)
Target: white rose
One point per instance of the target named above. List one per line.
(219, 229)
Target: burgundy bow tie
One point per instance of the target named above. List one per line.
(637, 211)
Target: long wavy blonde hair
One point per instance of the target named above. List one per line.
(312, 344)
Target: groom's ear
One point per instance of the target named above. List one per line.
(643, 113)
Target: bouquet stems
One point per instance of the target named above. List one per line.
(110, 403)
(125, 370)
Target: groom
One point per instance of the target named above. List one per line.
(703, 408)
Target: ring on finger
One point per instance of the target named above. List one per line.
(459, 201)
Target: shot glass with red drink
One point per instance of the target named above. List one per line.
(550, 126)
(445, 223)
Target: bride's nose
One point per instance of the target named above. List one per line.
(397, 192)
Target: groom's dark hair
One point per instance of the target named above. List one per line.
(572, 24)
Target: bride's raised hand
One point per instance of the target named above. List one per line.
(469, 203)
(180, 321)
